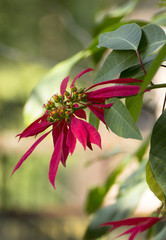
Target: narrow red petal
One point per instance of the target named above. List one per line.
(110, 92)
(127, 222)
(96, 100)
(99, 112)
(150, 222)
(65, 148)
(142, 224)
(116, 81)
(31, 149)
(80, 113)
(89, 145)
(56, 130)
(133, 235)
(80, 74)
(35, 127)
(64, 85)
(71, 141)
(133, 231)
(79, 131)
(94, 136)
(55, 159)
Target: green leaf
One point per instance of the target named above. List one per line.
(153, 185)
(119, 120)
(96, 195)
(153, 37)
(118, 61)
(115, 63)
(112, 27)
(161, 235)
(94, 120)
(131, 191)
(136, 71)
(126, 37)
(48, 86)
(134, 105)
(157, 156)
(153, 69)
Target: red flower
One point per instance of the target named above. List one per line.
(141, 225)
(65, 113)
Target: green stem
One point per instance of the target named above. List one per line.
(163, 85)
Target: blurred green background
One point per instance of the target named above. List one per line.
(34, 36)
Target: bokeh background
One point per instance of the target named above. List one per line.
(35, 35)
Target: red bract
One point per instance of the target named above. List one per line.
(65, 114)
(141, 225)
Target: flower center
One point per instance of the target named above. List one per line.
(62, 107)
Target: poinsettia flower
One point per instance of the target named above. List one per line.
(65, 114)
(141, 224)
(95, 100)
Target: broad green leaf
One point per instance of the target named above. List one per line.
(153, 37)
(148, 45)
(97, 194)
(157, 156)
(134, 105)
(118, 61)
(126, 37)
(154, 67)
(115, 63)
(49, 86)
(109, 23)
(119, 120)
(136, 71)
(94, 120)
(112, 27)
(131, 191)
(161, 235)
(153, 185)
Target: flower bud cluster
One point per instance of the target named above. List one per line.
(63, 106)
